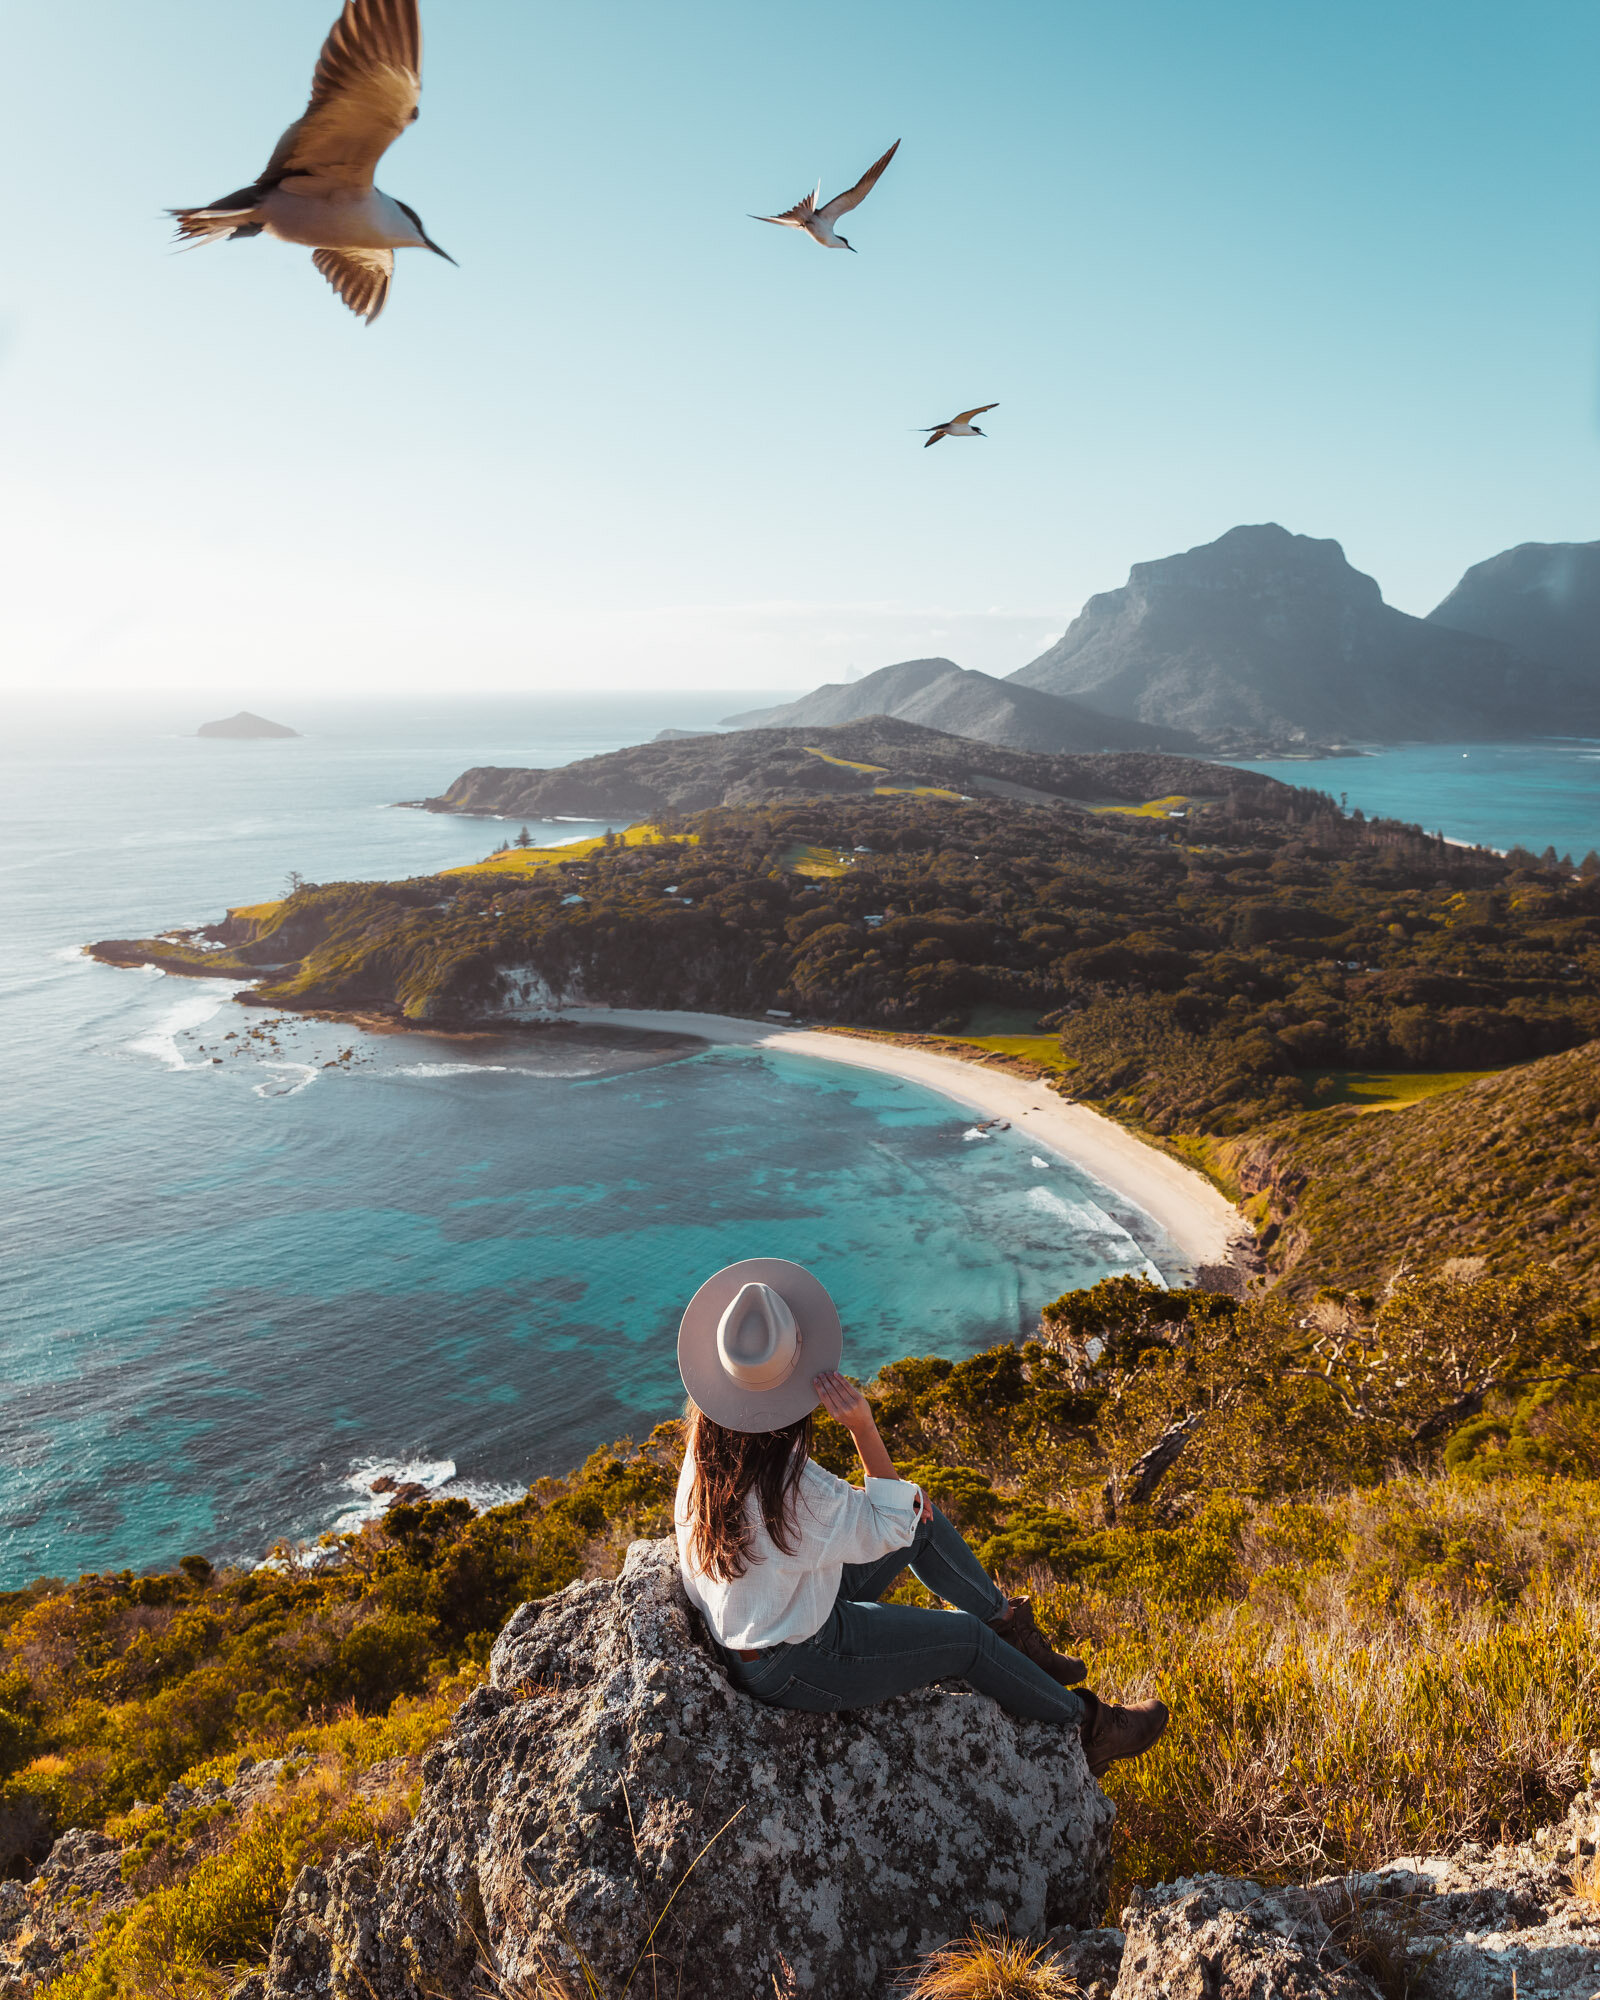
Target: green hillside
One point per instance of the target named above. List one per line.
(1506, 1168)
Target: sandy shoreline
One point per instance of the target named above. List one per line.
(1206, 1227)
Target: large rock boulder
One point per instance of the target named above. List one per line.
(610, 1799)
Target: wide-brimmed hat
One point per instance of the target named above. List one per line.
(752, 1338)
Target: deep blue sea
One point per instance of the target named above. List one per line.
(1533, 795)
(234, 1291)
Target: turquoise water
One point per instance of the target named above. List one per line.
(236, 1284)
(1534, 795)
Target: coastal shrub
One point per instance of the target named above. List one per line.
(1367, 1581)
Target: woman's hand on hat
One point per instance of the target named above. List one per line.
(843, 1401)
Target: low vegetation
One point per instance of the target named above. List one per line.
(1505, 1168)
(1355, 1543)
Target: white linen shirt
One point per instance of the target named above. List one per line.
(782, 1599)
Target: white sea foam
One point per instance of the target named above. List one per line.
(454, 1069)
(973, 1133)
(430, 1472)
(70, 954)
(1042, 1165)
(438, 1475)
(161, 1040)
(309, 1072)
(1090, 1219)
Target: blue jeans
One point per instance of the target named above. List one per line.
(868, 1651)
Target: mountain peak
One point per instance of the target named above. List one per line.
(1541, 597)
(1267, 631)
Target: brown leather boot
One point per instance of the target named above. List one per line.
(1109, 1731)
(1018, 1629)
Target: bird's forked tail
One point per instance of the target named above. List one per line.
(212, 225)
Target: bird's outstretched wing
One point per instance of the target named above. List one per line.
(364, 94)
(841, 204)
(967, 416)
(939, 432)
(797, 217)
(360, 277)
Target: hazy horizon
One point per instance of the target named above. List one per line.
(1335, 271)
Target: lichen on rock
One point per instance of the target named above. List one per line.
(610, 1798)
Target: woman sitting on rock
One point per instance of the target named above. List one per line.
(786, 1564)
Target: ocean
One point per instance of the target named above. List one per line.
(244, 1274)
(1533, 795)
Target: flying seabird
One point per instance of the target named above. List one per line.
(317, 188)
(960, 427)
(818, 222)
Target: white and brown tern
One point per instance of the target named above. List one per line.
(818, 222)
(317, 188)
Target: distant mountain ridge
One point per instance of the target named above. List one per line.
(1541, 597)
(940, 695)
(1269, 631)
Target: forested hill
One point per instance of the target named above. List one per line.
(875, 755)
(1206, 973)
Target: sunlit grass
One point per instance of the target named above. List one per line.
(1378, 1090)
(916, 792)
(534, 860)
(844, 763)
(1175, 802)
(991, 1967)
(803, 859)
(256, 913)
(1045, 1050)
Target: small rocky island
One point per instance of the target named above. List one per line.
(245, 727)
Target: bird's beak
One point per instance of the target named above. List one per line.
(445, 254)
(848, 246)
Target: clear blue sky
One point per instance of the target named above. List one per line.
(1330, 265)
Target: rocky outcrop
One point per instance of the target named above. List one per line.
(1220, 1939)
(245, 727)
(610, 1800)
(47, 1922)
(1461, 1926)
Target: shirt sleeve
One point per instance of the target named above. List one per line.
(855, 1524)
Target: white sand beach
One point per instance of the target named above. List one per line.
(1205, 1226)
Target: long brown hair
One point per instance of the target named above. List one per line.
(727, 1466)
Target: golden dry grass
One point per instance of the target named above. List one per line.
(989, 1966)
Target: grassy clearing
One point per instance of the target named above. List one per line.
(257, 913)
(1373, 1090)
(844, 763)
(805, 858)
(1045, 1050)
(1175, 802)
(534, 860)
